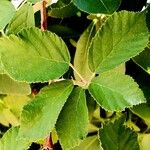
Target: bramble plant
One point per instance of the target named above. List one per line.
(74, 74)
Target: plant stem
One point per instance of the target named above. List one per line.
(43, 16)
(48, 144)
(37, 6)
(82, 79)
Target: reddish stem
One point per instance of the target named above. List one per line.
(43, 16)
(48, 144)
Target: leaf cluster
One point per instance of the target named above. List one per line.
(86, 99)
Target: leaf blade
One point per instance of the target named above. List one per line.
(43, 111)
(115, 95)
(81, 65)
(11, 87)
(43, 55)
(98, 6)
(127, 37)
(90, 143)
(7, 11)
(118, 136)
(9, 141)
(23, 18)
(71, 122)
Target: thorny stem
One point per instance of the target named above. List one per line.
(43, 16)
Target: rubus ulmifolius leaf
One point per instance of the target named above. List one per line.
(34, 56)
(81, 55)
(115, 91)
(11, 108)
(98, 6)
(116, 136)
(40, 115)
(7, 10)
(143, 60)
(23, 18)
(90, 143)
(9, 141)
(62, 9)
(12, 87)
(72, 123)
(123, 36)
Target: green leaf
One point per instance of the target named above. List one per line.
(11, 108)
(122, 37)
(90, 143)
(116, 136)
(70, 127)
(143, 112)
(143, 60)
(9, 141)
(34, 56)
(15, 104)
(98, 6)
(7, 118)
(119, 69)
(11, 87)
(23, 18)
(91, 105)
(39, 117)
(7, 11)
(148, 17)
(62, 9)
(144, 141)
(115, 92)
(33, 1)
(81, 55)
